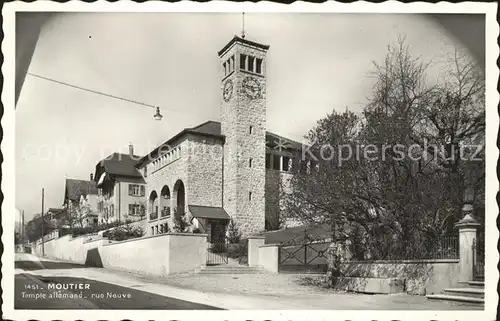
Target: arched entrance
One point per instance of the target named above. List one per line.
(153, 205)
(180, 197)
(165, 201)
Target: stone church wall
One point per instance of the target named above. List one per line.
(205, 171)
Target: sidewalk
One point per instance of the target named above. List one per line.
(124, 279)
(262, 292)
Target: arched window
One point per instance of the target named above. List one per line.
(153, 205)
(180, 197)
(165, 201)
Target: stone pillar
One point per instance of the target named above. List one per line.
(467, 230)
(271, 257)
(254, 242)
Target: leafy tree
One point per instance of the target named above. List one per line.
(34, 227)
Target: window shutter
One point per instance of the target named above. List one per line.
(130, 190)
(143, 190)
(130, 209)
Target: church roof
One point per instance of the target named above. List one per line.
(244, 41)
(213, 129)
(208, 129)
(208, 212)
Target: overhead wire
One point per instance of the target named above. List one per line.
(91, 90)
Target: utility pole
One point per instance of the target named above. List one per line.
(43, 224)
(22, 228)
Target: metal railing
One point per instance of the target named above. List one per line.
(439, 248)
(445, 247)
(478, 257)
(217, 252)
(153, 216)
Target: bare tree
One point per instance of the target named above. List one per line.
(410, 190)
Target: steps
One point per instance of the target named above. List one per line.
(472, 294)
(465, 292)
(476, 284)
(230, 269)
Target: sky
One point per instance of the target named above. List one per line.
(316, 63)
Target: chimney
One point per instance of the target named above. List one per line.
(131, 150)
(91, 176)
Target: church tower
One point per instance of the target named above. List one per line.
(243, 123)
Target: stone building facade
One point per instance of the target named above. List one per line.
(217, 171)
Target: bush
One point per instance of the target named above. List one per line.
(197, 231)
(236, 251)
(180, 224)
(78, 231)
(124, 232)
(218, 248)
(233, 233)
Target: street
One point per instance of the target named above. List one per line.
(42, 283)
(34, 291)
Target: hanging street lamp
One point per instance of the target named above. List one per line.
(157, 115)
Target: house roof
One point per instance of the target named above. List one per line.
(56, 211)
(208, 212)
(213, 129)
(75, 188)
(120, 165)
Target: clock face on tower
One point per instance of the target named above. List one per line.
(228, 90)
(251, 87)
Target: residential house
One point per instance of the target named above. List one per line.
(80, 202)
(59, 216)
(121, 188)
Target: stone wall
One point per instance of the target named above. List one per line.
(68, 248)
(421, 276)
(165, 254)
(205, 171)
(237, 116)
(277, 183)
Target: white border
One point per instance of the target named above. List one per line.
(8, 183)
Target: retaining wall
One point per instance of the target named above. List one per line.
(157, 255)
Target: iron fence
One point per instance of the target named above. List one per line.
(443, 247)
(304, 253)
(217, 252)
(478, 257)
